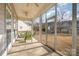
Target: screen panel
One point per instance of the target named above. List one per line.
(50, 27)
(36, 28)
(64, 29)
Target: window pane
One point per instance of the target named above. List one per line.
(43, 29)
(64, 25)
(8, 27)
(50, 25)
(36, 28)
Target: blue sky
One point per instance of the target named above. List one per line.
(78, 10)
(64, 6)
(67, 7)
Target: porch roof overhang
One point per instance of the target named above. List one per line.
(29, 11)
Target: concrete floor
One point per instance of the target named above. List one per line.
(33, 48)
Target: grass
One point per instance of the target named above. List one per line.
(63, 42)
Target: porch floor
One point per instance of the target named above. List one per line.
(20, 48)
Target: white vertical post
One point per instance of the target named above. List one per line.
(12, 28)
(55, 28)
(17, 28)
(32, 29)
(40, 30)
(74, 28)
(46, 27)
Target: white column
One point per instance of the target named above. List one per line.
(32, 29)
(74, 28)
(12, 28)
(40, 30)
(46, 27)
(55, 28)
(16, 29)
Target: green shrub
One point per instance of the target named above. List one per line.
(27, 35)
(21, 34)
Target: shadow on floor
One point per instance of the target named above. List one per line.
(25, 49)
(24, 44)
(30, 47)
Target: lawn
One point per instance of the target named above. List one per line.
(63, 42)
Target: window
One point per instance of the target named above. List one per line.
(8, 27)
(50, 27)
(64, 28)
(36, 24)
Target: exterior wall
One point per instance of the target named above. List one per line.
(23, 26)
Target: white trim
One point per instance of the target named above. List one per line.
(9, 47)
(60, 53)
(5, 53)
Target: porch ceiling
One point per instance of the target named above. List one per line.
(29, 11)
